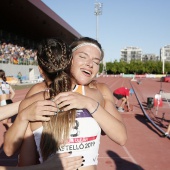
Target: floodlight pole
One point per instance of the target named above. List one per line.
(98, 11)
(163, 61)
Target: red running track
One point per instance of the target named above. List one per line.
(145, 149)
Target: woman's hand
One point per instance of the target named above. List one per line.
(72, 100)
(55, 162)
(63, 162)
(39, 111)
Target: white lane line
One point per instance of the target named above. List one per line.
(128, 153)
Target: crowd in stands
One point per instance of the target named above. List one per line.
(15, 54)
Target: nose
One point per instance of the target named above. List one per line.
(89, 63)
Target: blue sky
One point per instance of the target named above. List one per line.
(140, 23)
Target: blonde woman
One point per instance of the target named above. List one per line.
(84, 106)
(37, 112)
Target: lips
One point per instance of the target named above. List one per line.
(88, 72)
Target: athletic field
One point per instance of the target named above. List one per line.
(145, 149)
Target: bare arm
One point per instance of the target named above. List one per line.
(37, 111)
(12, 93)
(109, 119)
(9, 110)
(28, 154)
(127, 101)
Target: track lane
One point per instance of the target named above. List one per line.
(145, 148)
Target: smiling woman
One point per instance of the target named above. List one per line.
(87, 54)
(84, 106)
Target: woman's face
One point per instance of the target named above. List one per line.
(85, 64)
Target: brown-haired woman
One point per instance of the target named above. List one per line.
(84, 105)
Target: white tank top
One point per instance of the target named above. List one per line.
(4, 87)
(84, 138)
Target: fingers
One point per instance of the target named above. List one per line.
(65, 154)
(72, 163)
(63, 94)
(63, 99)
(43, 118)
(62, 161)
(66, 96)
(48, 110)
(65, 105)
(40, 110)
(46, 103)
(45, 115)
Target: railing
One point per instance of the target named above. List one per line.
(19, 62)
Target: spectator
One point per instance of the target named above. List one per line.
(19, 76)
(16, 54)
(123, 94)
(6, 95)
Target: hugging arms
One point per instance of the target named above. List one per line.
(95, 99)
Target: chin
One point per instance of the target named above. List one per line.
(82, 82)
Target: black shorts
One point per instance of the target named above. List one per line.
(118, 96)
(9, 101)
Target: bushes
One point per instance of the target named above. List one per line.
(136, 66)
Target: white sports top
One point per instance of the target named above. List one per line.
(84, 138)
(4, 87)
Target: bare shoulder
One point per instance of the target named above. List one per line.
(105, 91)
(99, 91)
(36, 89)
(103, 88)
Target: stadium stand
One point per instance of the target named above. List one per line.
(21, 30)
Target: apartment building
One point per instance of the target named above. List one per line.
(148, 57)
(165, 53)
(131, 53)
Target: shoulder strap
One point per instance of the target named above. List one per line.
(78, 89)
